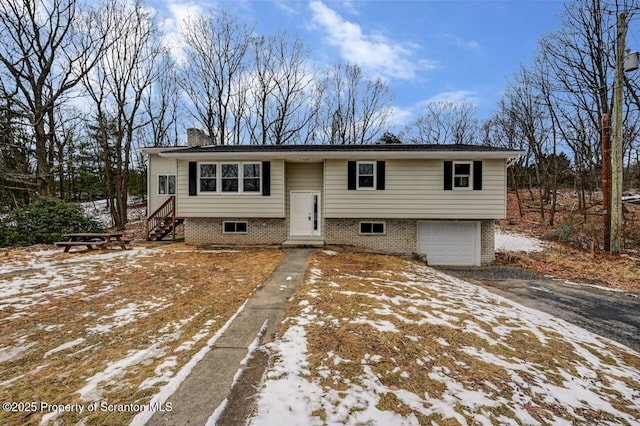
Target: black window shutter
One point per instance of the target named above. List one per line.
(477, 175)
(351, 171)
(380, 166)
(266, 178)
(193, 178)
(448, 175)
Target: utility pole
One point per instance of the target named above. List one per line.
(617, 217)
(606, 179)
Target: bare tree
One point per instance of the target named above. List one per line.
(216, 59)
(281, 92)
(580, 61)
(161, 105)
(524, 107)
(117, 87)
(65, 135)
(445, 122)
(259, 115)
(46, 47)
(354, 110)
(501, 131)
(16, 176)
(555, 166)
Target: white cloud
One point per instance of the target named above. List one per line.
(374, 53)
(286, 6)
(179, 12)
(348, 6)
(175, 15)
(403, 116)
(456, 97)
(459, 42)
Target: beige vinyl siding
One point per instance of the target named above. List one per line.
(231, 205)
(158, 166)
(414, 189)
(304, 176)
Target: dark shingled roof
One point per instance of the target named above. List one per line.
(338, 148)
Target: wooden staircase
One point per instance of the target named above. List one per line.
(163, 221)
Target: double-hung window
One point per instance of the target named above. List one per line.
(230, 177)
(208, 177)
(367, 175)
(166, 184)
(250, 177)
(462, 175)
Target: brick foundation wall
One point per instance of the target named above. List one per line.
(487, 242)
(208, 230)
(399, 237)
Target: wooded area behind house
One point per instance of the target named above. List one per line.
(83, 85)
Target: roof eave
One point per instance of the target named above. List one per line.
(302, 156)
(151, 150)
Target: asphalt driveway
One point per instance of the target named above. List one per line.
(612, 314)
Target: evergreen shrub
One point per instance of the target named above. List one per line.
(44, 221)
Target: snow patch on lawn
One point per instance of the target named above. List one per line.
(92, 391)
(26, 283)
(12, 352)
(125, 315)
(169, 388)
(64, 346)
(510, 241)
(99, 211)
(595, 379)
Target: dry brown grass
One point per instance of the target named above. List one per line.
(562, 261)
(588, 264)
(175, 293)
(355, 290)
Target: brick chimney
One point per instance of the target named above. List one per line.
(197, 137)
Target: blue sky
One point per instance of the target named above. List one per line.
(426, 50)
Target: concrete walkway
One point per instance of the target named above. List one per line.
(210, 381)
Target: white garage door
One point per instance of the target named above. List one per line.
(450, 243)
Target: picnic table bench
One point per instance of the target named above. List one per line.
(91, 239)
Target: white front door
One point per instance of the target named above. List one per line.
(304, 213)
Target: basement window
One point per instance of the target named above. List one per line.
(372, 228)
(234, 227)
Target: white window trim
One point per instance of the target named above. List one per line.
(366, 188)
(218, 178)
(453, 176)
(372, 222)
(241, 187)
(224, 222)
(175, 183)
(238, 178)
